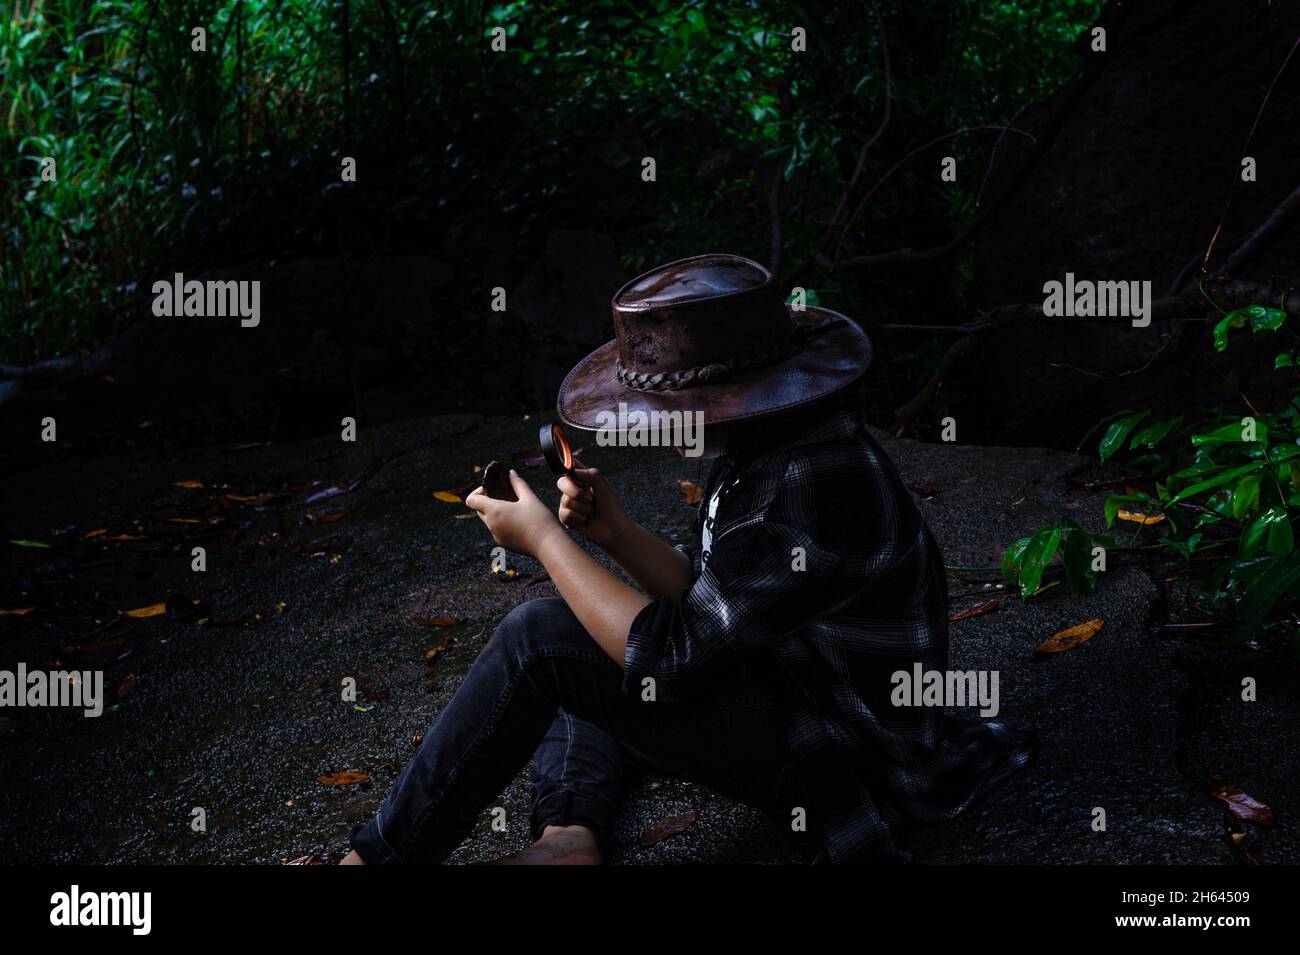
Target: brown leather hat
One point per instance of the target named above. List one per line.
(711, 333)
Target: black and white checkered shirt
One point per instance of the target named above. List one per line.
(823, 580)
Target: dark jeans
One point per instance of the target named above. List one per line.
(542, 685)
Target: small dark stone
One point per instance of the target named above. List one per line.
(496, 482)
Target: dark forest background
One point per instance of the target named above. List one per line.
(522, 170)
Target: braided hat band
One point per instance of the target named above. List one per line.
(720, 371)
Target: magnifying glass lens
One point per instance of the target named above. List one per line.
(556, 448)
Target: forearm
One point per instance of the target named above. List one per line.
(603, 604)
(661, 569)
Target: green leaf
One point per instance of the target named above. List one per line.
(1245, 497)
(1096, 427)
(1011, 560)
(1039, 552)
(1270, 530)
(1230, 434)
(1154, 433)
(1265, 319)
(1221, 478)
(1076, 555)
(1116, 434)
(26, 543)
(1230, 321)
(1259, 318)
(1267, 591)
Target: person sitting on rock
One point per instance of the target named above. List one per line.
(761, 663)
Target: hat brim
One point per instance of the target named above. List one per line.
(591, 392)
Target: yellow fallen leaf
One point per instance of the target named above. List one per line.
(193, 485)
(447, 496)
(184, 520)
(17, 611)
(1139, 518)
(342, 779)
(153, 610)
(691, 493)
(1070, 638)
(442, 620)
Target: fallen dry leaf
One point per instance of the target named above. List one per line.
(1139, 518)
(192, 485)
(126, 686)
(442, 620)
(691, 493)
(984, 606)
(184, 520)
(125, 537)
(343, 779)
(16, 611)
(1240, 803)
(334, 490)
(247, 498)
(329, 518)
(1070, 638)
(664, 828)
(97, 532)
(925, 490)
(447, 496)
(433, 653)
(153, 610)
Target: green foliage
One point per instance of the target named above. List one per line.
(1025, 561)
(145, 134)
(168, 157)
(1225, 490)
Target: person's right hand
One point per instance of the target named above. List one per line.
(589, 506)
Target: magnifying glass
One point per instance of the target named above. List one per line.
(556, 449)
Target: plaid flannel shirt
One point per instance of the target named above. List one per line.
(825, 639)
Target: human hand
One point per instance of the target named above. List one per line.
(589, 506)
(520, 526)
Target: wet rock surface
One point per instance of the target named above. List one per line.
(241, 715)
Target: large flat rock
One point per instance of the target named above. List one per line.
(241, 719)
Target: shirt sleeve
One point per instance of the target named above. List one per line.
(767, 577)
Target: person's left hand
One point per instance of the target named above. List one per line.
(520, 525)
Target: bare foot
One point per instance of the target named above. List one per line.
(559, 845)
(352, 859)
